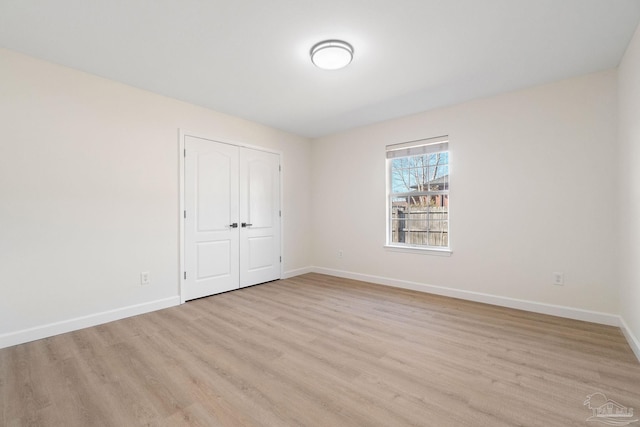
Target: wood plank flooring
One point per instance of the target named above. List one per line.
(317, 350)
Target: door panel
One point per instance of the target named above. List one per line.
(214, 185)
(260, 210)
(214, 259)
(260, 188)
(212, 205)
(260, 252)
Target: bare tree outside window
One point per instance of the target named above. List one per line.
(419, 200)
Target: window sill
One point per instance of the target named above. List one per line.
(419, 250)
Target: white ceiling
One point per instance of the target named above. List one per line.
(250, 58)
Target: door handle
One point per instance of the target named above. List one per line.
(234, 225)
(244, 224)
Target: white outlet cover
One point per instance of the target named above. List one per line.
(558, 278)
(144, 278)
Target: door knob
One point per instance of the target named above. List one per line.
(234, 225)
(244, 224)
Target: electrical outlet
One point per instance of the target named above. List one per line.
(558, 278)
(144, 278)
(340, 254)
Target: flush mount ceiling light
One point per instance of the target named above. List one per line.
(331, 54)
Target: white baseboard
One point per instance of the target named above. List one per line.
(536, 307)
(51, 329)
(633, 341)
(297, 272)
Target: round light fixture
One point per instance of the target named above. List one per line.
(331, 54)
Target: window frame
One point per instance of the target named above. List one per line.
(413, 149)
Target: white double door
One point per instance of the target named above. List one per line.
(231, 219)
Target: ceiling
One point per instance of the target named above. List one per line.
(250, 58)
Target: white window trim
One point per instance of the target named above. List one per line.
(431, 145)
(419, 250)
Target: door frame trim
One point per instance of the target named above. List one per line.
(182, 134)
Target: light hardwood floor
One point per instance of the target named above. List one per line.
(320, 351)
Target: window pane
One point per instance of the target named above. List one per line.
(400, 175)
(398, 223)
(420, 219)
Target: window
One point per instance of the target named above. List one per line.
(418, 194)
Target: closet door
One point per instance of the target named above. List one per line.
(231, 217)
(211, 218)
(260, 217)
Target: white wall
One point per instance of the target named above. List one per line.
(89, 195)
(533, 191)
(629, 181)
